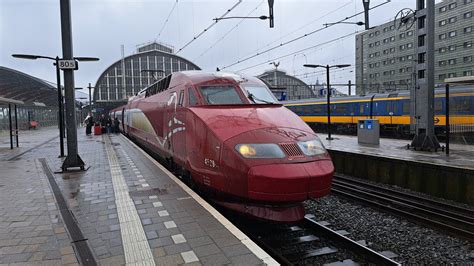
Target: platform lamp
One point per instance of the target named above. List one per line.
(60, 96)
(327, 67)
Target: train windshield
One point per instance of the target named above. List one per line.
(259, 94)
(220, 95)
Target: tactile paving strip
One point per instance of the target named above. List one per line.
(135, 244)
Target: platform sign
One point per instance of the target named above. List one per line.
(67, 64)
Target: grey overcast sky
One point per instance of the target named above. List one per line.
(100, 27)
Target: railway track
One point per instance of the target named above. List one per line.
(309, 242)
(452, 219)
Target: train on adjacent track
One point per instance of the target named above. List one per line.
(227, 135)
(391, 109)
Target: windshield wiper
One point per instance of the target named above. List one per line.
(253, 98)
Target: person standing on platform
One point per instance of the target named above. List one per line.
(116, 125)
(89, 122)
(108, 125)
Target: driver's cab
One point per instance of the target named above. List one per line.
(230, 94)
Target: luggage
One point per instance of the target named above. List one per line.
(97, 130)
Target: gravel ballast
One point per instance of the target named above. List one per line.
(414, 244)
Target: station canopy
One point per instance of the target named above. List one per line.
(16, 85)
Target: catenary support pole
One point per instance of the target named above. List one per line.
(328, 103)
(72, 159)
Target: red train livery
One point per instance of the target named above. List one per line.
(228, 135)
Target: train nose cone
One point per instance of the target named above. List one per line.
(290, 182)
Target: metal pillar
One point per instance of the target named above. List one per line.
(425, 138)
(60, 110)
(328, 103)
(10, 124)
(448, 132)
(16, 126)
(349, 85)
(73, 159)
(90, 102)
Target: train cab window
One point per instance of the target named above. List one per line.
(259, 94)
(181, 98)
(193, 101)
(220, 95)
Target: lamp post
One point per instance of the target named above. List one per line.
(60, 96)
(327, 67)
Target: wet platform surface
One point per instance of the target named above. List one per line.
(461, 156)
(128, 208)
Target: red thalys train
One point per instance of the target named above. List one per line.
(228, 135)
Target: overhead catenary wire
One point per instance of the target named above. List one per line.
(299, 51)
(304, 26)
(167, 19)
(210, 26)
(298, 38)
(229, 31)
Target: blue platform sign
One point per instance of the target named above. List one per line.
(368, 124)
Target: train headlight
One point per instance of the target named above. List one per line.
(312, 147)
(260, 151)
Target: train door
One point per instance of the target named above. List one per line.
(179, 127)
(169, 121)
(123, 120)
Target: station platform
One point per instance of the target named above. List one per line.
(434, 173)
(125, 209)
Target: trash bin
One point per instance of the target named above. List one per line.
(368, 131)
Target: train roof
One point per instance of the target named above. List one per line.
(453, 89)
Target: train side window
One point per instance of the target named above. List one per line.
(361, 108)
(406, 107)
(181, 98)
(193, 101)
(438, 107)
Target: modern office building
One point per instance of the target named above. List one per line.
(286, 87)
(385, 54)
(151, 61)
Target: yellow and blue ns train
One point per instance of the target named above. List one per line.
(391, 109)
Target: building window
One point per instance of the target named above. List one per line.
(385, 40)
(409, 45)
(442, 63)
(377, 43)
(467, 44)
(442, 76)
(452, 5)
(442, 36)
(392, 39)
(377, 33)
(384, 62)
(410, 33)
(442, 50)
(443, 9)
(452, 33)
(452, 20)
(371, 45)
(392, 27)
(402, 47)
(409, 57)
(377, 64)
(377, 75)
(451, 75)
(452, 61)
(392, 61)
(452, 48)
(468, 15)
(402, 35)
(401, 59)
(409, 69)
(371, 75)
(401, 70)
(392, 50)
(467, 59)
(442, 22)
(371, 35)
(467, 73)
(468, 29)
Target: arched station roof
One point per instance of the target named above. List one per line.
(20, 86)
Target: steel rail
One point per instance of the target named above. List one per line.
(445, 215)
(371, 255)
(400, 208)
(458, 209)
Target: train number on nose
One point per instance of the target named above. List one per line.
(209, 162)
